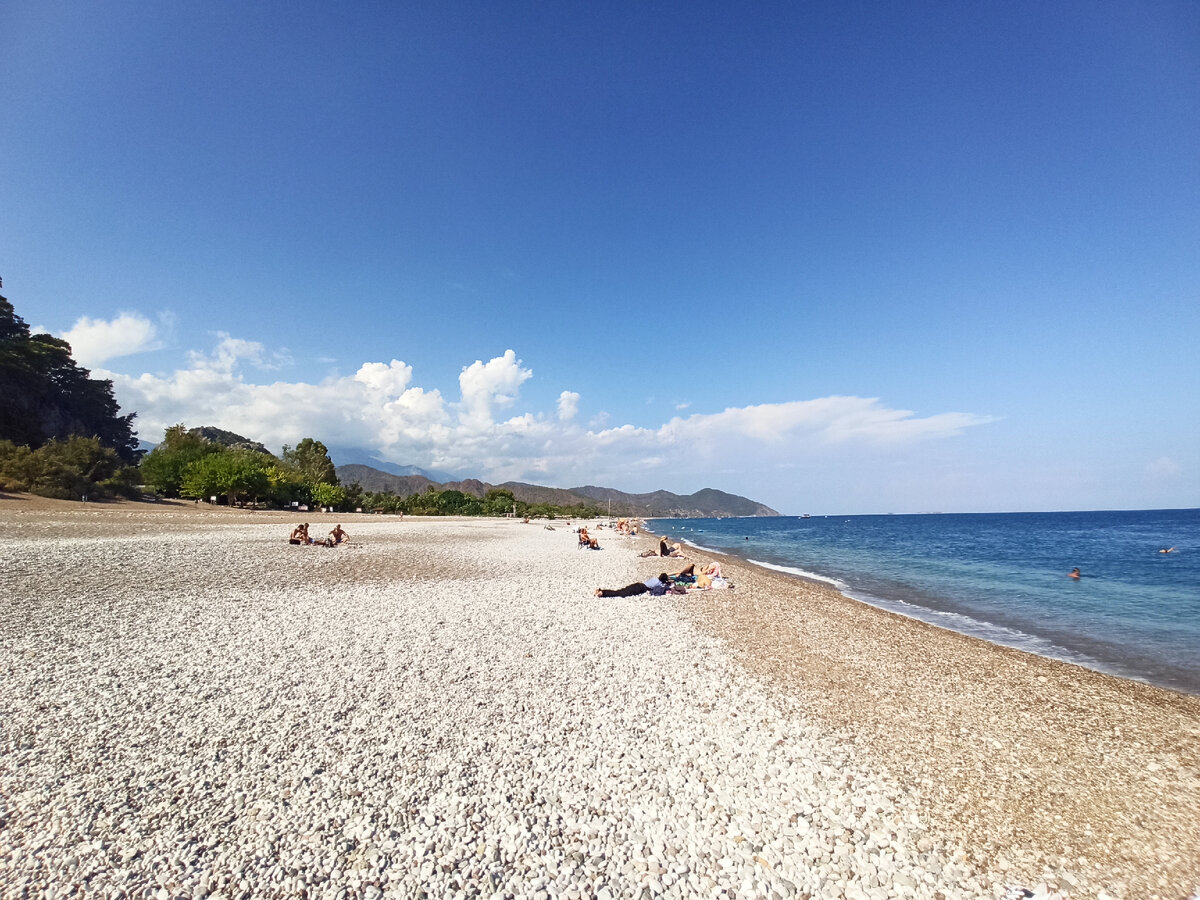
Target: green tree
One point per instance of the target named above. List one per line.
(311, 459)
(238, 475)
(163, 467)
(16, 466)
(355, 496)
(456, 503)
(67, 470)
(47, 397)
(324, 495)
(285, 485)
(498, 502)
(388, 501)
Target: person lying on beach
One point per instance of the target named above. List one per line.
(707, 574)
(300, 535)
(656, 586)
(339, 535)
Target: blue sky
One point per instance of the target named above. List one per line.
(837, 257)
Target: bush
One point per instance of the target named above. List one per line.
(65, 470)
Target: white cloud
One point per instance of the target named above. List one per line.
(231, 351)
(568, 406)
(380, 407)
(485, 385)
(93, 341)
(828, 419)
(391, 379)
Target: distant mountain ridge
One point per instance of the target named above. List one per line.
(358, 456)
(705, 503)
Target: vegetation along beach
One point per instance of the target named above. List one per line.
(192, 707)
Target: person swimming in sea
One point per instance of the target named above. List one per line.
(1074, 573)
(1167, 550)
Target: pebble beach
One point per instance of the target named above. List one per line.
(190, 708)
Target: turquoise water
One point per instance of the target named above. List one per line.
(1003, 577)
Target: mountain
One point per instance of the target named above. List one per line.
(229, 439)
(708, 502)
(375, 481)
(358, 456)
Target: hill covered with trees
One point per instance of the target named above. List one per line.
(61, 431)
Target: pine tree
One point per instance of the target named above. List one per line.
(45, 396)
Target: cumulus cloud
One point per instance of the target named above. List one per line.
(94, 341)
(391, 379)
(381, 408)
(491, 384)
(568, 406)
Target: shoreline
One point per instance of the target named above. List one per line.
(443, 703)
(1029, 758)
(1059, 646)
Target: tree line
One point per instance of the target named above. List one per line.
(62, 435)
(188, 465)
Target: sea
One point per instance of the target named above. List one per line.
(1003, 577)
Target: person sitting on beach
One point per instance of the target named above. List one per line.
(1074, 573)
(664, 549)
(339, 535)
(300, 535)
(656, 586)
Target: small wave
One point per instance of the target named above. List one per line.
(953, 621)
(981, 628)
(701, 547)
(792, 570)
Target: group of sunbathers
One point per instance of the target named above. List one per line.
(300, 536)
(681, 582)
